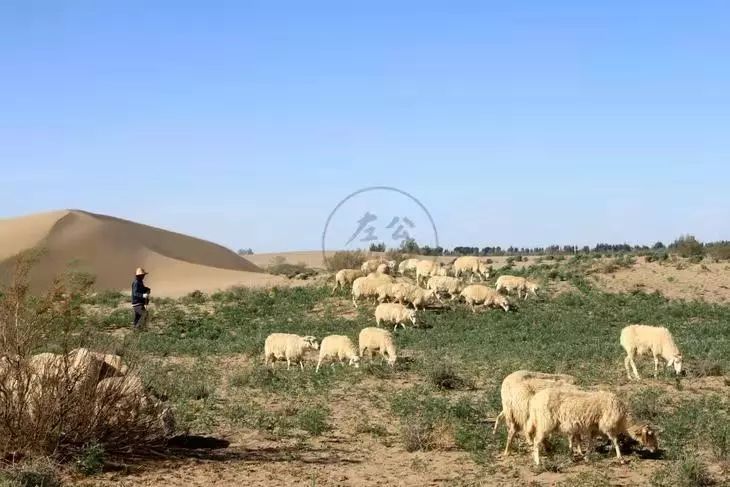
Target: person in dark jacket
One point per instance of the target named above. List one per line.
(140, 298)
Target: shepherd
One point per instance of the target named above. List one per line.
(140, 298)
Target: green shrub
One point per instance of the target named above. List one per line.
(688, 246)
(280, 267)
(314, 420)
(90, 460)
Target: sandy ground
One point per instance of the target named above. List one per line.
(682, 280)
(111, 249)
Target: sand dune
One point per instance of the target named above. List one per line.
(111, 248)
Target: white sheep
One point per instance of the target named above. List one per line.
(428, 268)
(472, 266)
(338, 347)
(579, 414)
(445, 284)
(517, 390)
(345, 278)
(657, 340)
(377, 340)
(367, 286)
(475, 294)
(392, 291)
(394, 313)
(413, 295)
(407, 266)
(522, 285)
(370, 265)
(289, 347)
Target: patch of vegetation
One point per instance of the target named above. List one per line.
(110, 299)
(313, 420)
(90, 460)
(345, 260)
(280, 267)
(689, 471)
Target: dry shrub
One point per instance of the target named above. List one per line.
(52, 403)
(345, 260)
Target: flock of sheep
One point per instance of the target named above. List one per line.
(534, 403)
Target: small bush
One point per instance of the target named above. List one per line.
(37, 473)
(195, 297)
(719, 251)
(345, 260)
(417, 435)
(90, 460)
(314, 420)
(280, 267)
(445, 377)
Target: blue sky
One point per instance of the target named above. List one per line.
(524, 123)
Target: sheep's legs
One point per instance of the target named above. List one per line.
(288, 364)
(656, 366)
(319, 363)
(629, 360)
(510, 437)
(301, 365)
(614, 440)
(537, 441)
(496, 422)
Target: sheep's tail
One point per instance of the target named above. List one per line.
(496, 422)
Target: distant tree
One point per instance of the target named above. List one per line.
(658, 246)
(377, 247)
(409, 246)
(247, 251)
(687, 246)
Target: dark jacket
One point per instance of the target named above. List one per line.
(138, 289)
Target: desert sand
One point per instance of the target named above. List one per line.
(112, 248)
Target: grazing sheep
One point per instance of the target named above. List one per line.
(339, 347)
(366, 287)
(472, 266)
(383, 269)
(475, 294)
(384, 292)
(518, 388)
(580, 414)
(428, 268)
(345, 277)
(288, 346)
(445, 284)
(407, 266)
(371, 265)
(394, 313)
(657, 340)
(377, 340)
(413, 295)
(522, 285)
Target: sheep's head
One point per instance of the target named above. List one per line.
(355, 360)
(412, 316)
(502, 301)
(533, 287)
(484, 270)
(430, 295)
(312, 342)
(647, 437)
(676, 362)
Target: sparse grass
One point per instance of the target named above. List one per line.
(446, 382)
(689, 471)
